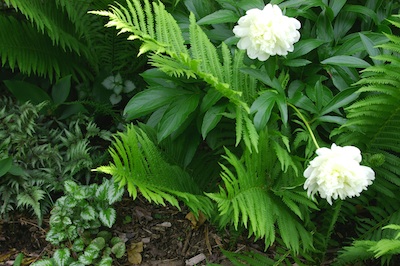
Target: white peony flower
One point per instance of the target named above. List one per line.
(266, 32)
(336, 172)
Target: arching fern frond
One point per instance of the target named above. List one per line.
(260, 196)
(50, 20)
(139, 165)
(22, 47)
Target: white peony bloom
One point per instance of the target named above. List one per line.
(266, 32)
(336, 172)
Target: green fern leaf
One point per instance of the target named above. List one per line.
(139, 165)
(248, 199)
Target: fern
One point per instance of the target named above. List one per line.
(384, 249)
(373, 122)
(257, 195)
(139, 165)
(59, 38)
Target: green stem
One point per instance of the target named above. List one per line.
(305, 123)
(336, 211)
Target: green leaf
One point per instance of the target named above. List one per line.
(370, 48)
(70, 186)
(107, 261)
(25, 91)
(88, 213)
(108, 216)
(119, 249)
(249, 4)
(363, 11)
(47, 262)
(150, 100)
(61, 89)
(18, 259)
(5, 165)
(61, 256)
(345, 60)
(304, 47)
(220, 16)
(114, 192)
(79, 245)
(296, 62)
(211, 119)
(336, 6)
(177, 113)
(262, 106)
(342, 99)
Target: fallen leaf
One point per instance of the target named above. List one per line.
(134, 253)
(196, 222)
(165, 224)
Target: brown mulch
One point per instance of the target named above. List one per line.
(154, 235)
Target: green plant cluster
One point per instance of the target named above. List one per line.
(38, 155)
(75, 224)
(225, 135)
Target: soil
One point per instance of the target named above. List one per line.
(167, 235)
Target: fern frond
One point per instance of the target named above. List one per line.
(139, 165)
(255, 196)
(57, 25)
(203, 50)
(40, 57)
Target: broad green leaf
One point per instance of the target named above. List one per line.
(177, 113)
(345, 60)
(331, 119)
(25, 91)
(336, 6)
(262, 106)
(88, 213)
(46, 262)
(220, 16)
(119, 249)
(108, 216)
(114, 192)
(296, 62)
(342, 99)
(371, 50)
(150, 100)
(61, 89)
(364, 11)
(61, 256)
(281, 102)
(249, 4)
(343, 23)
(324, 27)
(211, 119)
(70, 186)
(107, 261)
(79, 245)
(5, 165)
(304, 47)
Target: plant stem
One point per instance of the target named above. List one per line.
(305, 123)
